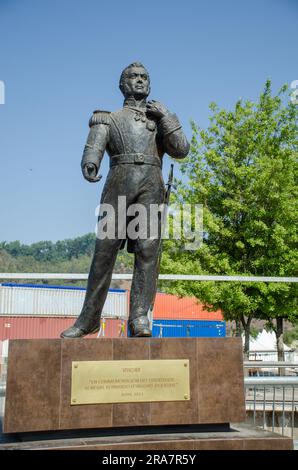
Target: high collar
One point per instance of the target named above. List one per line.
(131, 102)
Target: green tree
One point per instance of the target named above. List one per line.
(243, 170)
(291, 336)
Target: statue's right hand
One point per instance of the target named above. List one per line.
(89, 172)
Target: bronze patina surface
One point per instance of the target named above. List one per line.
(136, 138)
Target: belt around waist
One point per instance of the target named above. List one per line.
(136, 159)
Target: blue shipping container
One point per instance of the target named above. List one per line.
(188, 328)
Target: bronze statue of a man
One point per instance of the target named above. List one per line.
(136, 137)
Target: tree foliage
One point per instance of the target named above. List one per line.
(243, 170)
(49, 251)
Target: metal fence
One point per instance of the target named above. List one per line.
(272, 402)
(164, 277)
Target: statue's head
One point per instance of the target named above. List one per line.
(135, 81)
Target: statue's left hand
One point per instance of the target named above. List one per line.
(156, 109)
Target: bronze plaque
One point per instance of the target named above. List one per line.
(129, 381)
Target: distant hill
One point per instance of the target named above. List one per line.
(64, 256)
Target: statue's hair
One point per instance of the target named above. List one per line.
(125, 72)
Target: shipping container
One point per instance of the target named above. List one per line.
(169, 306)
(45, 300)
(43, 311)
(188, 328)
(24, 327)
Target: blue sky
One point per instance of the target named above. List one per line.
(61, 59)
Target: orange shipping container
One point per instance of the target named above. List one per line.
(169, 306)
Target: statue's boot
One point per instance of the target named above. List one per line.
(75, 332)
(83, 326)
(140, 327)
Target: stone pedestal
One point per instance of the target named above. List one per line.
(38, 396)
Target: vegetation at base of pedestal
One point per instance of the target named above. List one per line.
(243, 170)
(64, 256)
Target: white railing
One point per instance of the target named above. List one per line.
(270, 364)
(273, 402)
(164, 277)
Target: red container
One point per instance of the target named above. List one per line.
(12, 327)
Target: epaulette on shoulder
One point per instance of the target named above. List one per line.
(99, 117)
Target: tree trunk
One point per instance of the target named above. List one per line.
(280, 343)
(238, 328)
(246, 327)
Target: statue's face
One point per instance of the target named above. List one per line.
(136, 82)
